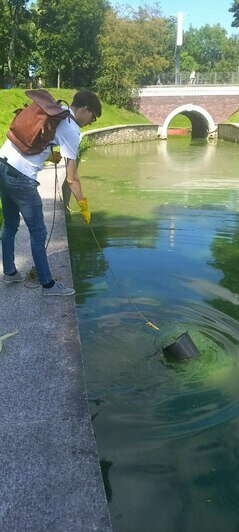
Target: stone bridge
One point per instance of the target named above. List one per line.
(205, 106)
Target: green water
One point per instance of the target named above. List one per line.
(166, 215)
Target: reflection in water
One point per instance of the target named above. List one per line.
(201, 158)
(169, 227)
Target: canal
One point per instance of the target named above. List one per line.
(166, 216)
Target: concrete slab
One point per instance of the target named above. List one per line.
(50, 473)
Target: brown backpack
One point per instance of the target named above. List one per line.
(34, 126)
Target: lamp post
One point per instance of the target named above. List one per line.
(179, 42)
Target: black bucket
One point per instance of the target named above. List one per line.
(182, 349)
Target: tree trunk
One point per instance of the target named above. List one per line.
(58, 78)
(11, 50)
(2, 81)
(11, 54)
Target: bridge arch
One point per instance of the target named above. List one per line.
(202, 123)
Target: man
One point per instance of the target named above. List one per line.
(18, 191)
(192, 77)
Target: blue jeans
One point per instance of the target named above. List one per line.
(19, 195)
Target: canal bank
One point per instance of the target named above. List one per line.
(228, 132)
(140, 133)
(50, 473)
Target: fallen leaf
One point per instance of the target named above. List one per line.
(5, 336)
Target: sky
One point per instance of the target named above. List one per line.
(196, 12)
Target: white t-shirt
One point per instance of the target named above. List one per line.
(67, 137)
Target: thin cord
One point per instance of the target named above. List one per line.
(132, 303)
(31, 276)
(54, 209)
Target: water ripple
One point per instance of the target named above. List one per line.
(202, 392)
(165, 399)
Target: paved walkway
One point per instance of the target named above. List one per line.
(50, 474)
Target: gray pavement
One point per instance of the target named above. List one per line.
(50, 473)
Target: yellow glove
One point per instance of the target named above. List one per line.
(83, 204)
(54, 157)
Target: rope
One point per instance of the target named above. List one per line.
(54, 209)
(130, 300)
(31, 276)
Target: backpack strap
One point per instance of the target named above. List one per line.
(46, 101)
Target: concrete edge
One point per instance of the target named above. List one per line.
(50, 472)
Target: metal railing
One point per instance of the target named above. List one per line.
(201, 78)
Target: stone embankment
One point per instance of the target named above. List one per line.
(229, 132)
(122, 134)
(139, 133)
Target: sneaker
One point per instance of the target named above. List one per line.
(16, 278)
(58, 290)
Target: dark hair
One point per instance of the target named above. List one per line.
(88, 98)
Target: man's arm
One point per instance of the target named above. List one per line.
(75, 186)
(73, 180)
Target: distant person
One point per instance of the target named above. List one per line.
(40, 83)
(192, 77)
(158, 81)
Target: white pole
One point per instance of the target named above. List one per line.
(179, 42)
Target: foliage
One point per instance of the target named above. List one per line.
(66, 34)
(134, 51)
(204, 48)
(187, 62)
(85, 144)
(235, 10)
(15, 42)
(230, 57)
(4, 19)
(76, 43)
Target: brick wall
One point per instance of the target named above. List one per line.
(157, 108)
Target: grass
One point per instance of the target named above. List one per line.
(234, 118)
(180, 121)
(12, 99)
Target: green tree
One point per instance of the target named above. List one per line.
(66, 39)
(235, 10)
(229, 61)
(115, 80)
(207, 46)
(14, 38)
(3, 40)
(187, 62)
(136, 47)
